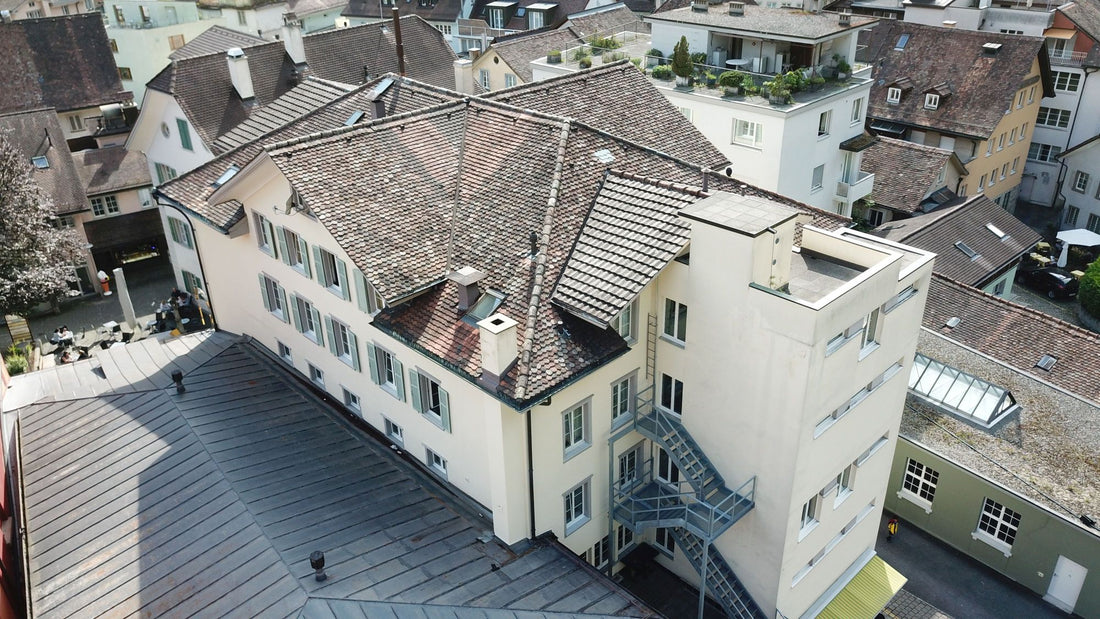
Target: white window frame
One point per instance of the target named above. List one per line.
(393, 431)
(872, 333)
(624, 322)
(284, 352)
(623, 393)
(996, 522)
(436, 463)
(484, 78)
(1066, 81)
(675, 322)
(1053, 117)
(1080, 181)
(509, 80)
(577, 504)
(857, 111)
(316, 375)
(747, 133)
(274, 297)
(624, 538)
(351, 400)
(672, 395)
(265, 233)
(817, 180)
(808, 520)
(931, 101)
(576, 424)
(430, 399)
(917, 480)
(629, 469)
(307, 319)
(332, 272)
(601, 553)
(103, 206)
(666, 470)
(294, 250)
(1072, 213)
(845, 484)
(893, 95)
(824, 121)
(386, 370)
(342, 342)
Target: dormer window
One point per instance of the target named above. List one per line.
(931, 101)
(539, 15)
(893, 95)
(499, 12)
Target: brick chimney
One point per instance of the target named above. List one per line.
(468, 291)
(499, 350)
(292, 38)
(239, 73)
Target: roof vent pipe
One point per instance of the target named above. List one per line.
(534, 239)
(397, 41)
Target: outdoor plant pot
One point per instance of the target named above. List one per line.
(777, 99)
(683, 81)
(553, 58)
(732, 91)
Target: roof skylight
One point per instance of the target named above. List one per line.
(603, 156)
(1047, 362)
(488, 303)
(997, 231)
(40, 162)
(354, 118)
(964, 248)
(229, 173)
(902, 40)
(952, 322)
(961, 394)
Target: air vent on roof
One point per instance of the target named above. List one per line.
(229, 173)
(997, 231)
(1046, 362)
(953, 322)
(40, 162)
(964, 248)
(991, 48)
(603, 156)
(354, 118)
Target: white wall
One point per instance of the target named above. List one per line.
(1086, 160)
(148, 136)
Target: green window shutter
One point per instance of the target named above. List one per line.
(184, 133)
(282, 297)
(414, 388)
(445, 409)
(263, 293)
(345, 285)
(320, 268)
(303, 249)
(399, 379)
(317, 328)
(330, 334)
(282, 244)
(353, 341)
(294, 313)
(361, 291)
(372, 363)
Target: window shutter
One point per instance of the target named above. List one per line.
(399, 379)
(361, 291)
(303, 249)
(282, 297)
(317, 263)
(372, 363)
(353, 341)
(317, 330)
(414, 388)
(282, 244)
(345, 285)
(445, 409)
(294, 313)
(270, 229)
(331, 339)
(263, 292)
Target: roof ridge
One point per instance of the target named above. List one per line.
(938, 216)
(224, 51)
(567, 77)
(693, 190)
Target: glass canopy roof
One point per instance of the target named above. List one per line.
(959, 393)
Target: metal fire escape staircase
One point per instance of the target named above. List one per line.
(696, 509)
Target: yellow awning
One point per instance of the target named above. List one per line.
(866, 593)
(1059, 33)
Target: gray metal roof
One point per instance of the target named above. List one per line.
(209, 503)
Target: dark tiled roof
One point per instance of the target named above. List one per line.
(940, 230)
(1085, 14)
(633, 230)
(763, 21)
(59, 62)
(904, 172)
(623, 97)
(310, 95)
(520, 49)
(38, 133)
(441, 10)
(304, 8)
(213, 40)
(106, 170)
(608, 21)
(346, 54)
(983, 85)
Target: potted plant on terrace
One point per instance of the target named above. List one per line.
(553, 57)
(778, 92)
(731, 82)
(681, 63)
(843, 69)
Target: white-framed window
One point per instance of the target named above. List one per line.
(509, 80)
(104, 205)
(1020, 100)
(747, 133)
(667, 471)
(307, 320)
(672, 394)
(918, 484)
(1001, 142)
(1053, 117)
(823, 121)
(981, 183)
(484, 79)
(76, 123)
(576, 429)
(265, 234)
(857, 111)
(676, 315)
(685, 111)
(898, 299)
(430, 399)
(1012, 136)
(316, 375)
(496, 18)
(858, 397)
(444, 28)
(630, 462)
(665, 541)
(294, 250)
(1015, 164)
(1004, 171)
(366, 296)
(844, 483)
(577, 509)
(624, 538)
(1072, 213)
(1043, 152)
(875, 217)
(386, 371)
(808, 519)
(993, 177)
(284, 353)
(623, 323)
(145, 197)
(1023, 130)
(164, 173)
(351, 400)
(274, 297)
(931, 101)
(601, 553)
(1066, 81)
(622, 399)
(1030, 93)
(436, 462)
(1080, 181)
(1093, 223)
(332, 273)
(342, 342)
(893, 95)
(185, 134)
(997, 526)
(395, 432)
(181, 232)
(871, 331)
(535, 19)
(989, 148)
(66, 221)
(818, 178)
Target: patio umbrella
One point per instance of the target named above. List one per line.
(1079, 236)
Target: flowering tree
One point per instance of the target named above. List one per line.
(36, 257)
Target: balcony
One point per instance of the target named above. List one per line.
(857, 186)
(1067, 59)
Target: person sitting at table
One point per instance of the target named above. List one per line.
(68, 357)
(55, 338)
(65, 335)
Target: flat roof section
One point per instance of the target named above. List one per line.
(813, 276)
(749, 215)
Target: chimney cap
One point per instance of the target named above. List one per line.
(235, 52)
(496, 323)
(466, 276)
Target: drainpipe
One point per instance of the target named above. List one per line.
(530, 474)
(202, 269)
(397, 41)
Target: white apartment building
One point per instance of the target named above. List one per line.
(488, 310)
(1081, 186)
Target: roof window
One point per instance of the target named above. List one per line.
(902, 40)
(354, 118)
(1046, 362)
(40, 162)
(997, 231)
(488, 303)
(229, 173)
(964, 248)
(952, 322)
(603, 156)
(966, 396)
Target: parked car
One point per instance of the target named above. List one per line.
(1055, 282)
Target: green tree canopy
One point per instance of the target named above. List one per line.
(681, 59)
(36, 256)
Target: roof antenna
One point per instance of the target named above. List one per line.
(397, 40)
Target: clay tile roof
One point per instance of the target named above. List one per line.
(303, 8)
(38, 134)
(759, 20)
(59, 62)
(607, 21)
(438, 11)
(306, 97)
(905, 173)
(520, 49)
(213, 40)
(941, 230)
(1085, 14)
(623, 97)
(110, 169)
(982, 84)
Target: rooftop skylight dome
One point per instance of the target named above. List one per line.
(966, 396)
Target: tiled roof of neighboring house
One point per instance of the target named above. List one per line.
(305, 8)
(110, 169)
(520, 49)
(605, 21)
(37, 133)
(193, 188)
(213, 40)
(905, 172)
(439, 11)
(311, 94)
(1085, 14)
(942, 231)
(562, 10)
(59, 62)
(763, 21)
(348, 54)
(981, 85)
(623, 98)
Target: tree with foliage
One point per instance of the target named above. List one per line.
(1089, 292)
(681, 59)
(36, 255)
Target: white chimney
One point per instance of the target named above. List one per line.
(239, 73)
(464, 76)
(292, 38)
(474, 53)
(498, 348)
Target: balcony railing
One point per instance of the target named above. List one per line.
(857, 186)
(1067, 59)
